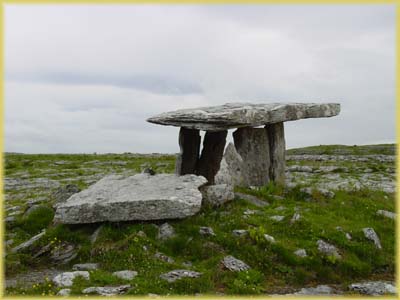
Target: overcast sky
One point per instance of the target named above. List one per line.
(85, 78)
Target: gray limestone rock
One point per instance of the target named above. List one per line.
(174, 275)
(234, 264)
(300, 253)
(277, 218)
(240, 232)
(163, 257)
(277, 149)
(372, 236)
(64, 292)
(67, 278)
(328, 249)
(165, 231)
(252, 144)
(269, 238)
(107, 290)
(28, 243)
(64, 253)
(388, 214)
(374, 288)
(216, 195)
(206, 231)
(211, 155)
(125, 274)
(85, 267)
(318, 290)
(236, 115)
(230, 171)
(138, 197)
(189, 143)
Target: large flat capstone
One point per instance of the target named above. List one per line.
(236, 115)
(139, 197)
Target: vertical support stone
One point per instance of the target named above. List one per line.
(253, 146)
(211, 155)
(189, 143)
(276, 136)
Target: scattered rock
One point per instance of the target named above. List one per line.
(29, 243)
(218, 194)
(252, 199)
(64, 292)
(318, 290)
(107, 290)
(249, 212)
(206, 231)
(296, 217)
(300, 253)
(10, 221)
(277, 218)
(296, 168)
(269, 238)
(240, 232)
(138, 197)
(165, 231)
(387, 214)
(328, 249)
(371, 235)
(187, 264)
(174, 275)
(164, 257)
(234, 264)
(9, 242)
(85, 267)
(374, 288)
(67, 278)
(324, 192)
(125, 274)
(64, 253)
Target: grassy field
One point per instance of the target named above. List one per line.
(132, 245)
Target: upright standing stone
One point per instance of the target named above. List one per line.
(253, 146)
(189, 143)
(211, 155)
(276, 137)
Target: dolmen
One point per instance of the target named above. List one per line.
(262, 150)
(256, 158)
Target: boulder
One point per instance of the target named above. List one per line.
(318, 290)
(67, 278)
(387, 214)
(163, 257)
(216, 195)
(251, 199)
(28, 243)
(300, 253)
(63, 193)
(372, 236)
(206, 231)
(277, 218)
(234, 264)
(239, 232)
(328, 249)
(179, 274)
(107, 290)
(373, 288)
(236, 115)
(269, 238)
(64, 292)
(139, 197)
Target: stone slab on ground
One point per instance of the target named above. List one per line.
(236, 115)
(139, 197)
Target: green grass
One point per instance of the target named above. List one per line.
(122, 246)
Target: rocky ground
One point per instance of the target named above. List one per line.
(330, 231)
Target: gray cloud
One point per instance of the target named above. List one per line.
(84, 78)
